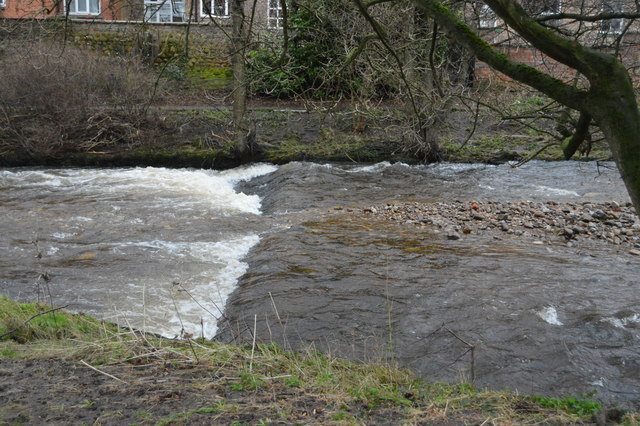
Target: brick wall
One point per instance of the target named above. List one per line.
(528, 56)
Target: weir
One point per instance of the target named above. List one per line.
(298, 248)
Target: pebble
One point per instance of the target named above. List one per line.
(613, 222)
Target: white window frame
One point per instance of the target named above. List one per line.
(212, 4)
(72, 6)
(160, 11)
(612, 26)
(558, 9)
(275, 20)
(3, 3)
(487, 18)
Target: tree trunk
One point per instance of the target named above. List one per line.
(238, 68)
(610, 100)
(614, 109)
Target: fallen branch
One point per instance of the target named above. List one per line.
(102, 372)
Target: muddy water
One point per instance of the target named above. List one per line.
(542, 319)
(151, 248)
(164, 249)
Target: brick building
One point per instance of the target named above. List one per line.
(268, 13)
(619, 35)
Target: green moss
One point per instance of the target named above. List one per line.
(328, 148)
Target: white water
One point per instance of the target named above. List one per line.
(549, 315)
(152, 248)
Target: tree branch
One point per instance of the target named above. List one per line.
(588, 18)
(551, 86)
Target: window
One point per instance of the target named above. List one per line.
(164, 11)
(542, 7)
(215, 8)
(616, 25)
(82, 7)
(275, 19)
(3, 3)
(486, 17)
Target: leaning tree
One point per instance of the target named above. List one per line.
(607, 99)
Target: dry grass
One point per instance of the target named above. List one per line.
(56, 99)
(338, 391)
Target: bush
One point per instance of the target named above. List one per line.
(313, 63)
(55, 100)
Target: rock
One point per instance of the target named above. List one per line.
(634, 252)
(453, 235)
(599, 214)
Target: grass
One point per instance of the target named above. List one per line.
(499, 148)
(348, 148)
(347, 392)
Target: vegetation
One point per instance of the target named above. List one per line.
(236, 378)
(309, 64)
(55, 102)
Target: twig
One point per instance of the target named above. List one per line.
(275, 308)
(534, 155)
(253, 345)
(102, 372)
(471, 347)
(31, 318)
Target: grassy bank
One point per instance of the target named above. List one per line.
(111, 375)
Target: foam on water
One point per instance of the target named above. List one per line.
(555, 191)
(378, 167)
(549, 315)
(191, 301)
(163, 281)
(623, 322)
(184, 187)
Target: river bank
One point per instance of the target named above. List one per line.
(330, 269)
(59, 367)
(201, 137)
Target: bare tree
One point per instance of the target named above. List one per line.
(607, 96)
(239, 39)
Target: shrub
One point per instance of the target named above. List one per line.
(313, 62)
(54, 100)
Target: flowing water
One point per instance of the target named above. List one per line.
(165, 249)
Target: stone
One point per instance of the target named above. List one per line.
(599, 214)
(453, 235)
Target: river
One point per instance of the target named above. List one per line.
(169, 250)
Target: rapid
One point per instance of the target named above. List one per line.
(208, 253)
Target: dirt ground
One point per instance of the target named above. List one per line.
(55, 391)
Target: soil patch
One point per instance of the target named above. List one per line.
(56, 391)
